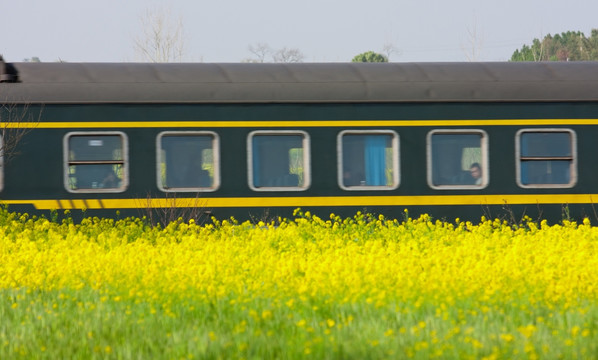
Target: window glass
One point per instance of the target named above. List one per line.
(368, 159)
(546, 157)
(96, 162)
(278, 160)
(187, 161)
(545, 144)
(457, 159)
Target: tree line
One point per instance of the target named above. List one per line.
(567, 46)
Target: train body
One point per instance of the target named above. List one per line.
(257, 141)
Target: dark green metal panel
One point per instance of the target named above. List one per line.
(81, 94)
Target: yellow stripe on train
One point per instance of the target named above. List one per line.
(296, 201)
(301, 123)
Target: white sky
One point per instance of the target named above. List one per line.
(323, 30)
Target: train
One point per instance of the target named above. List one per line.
(257, 141)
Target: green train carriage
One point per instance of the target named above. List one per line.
(260, 140)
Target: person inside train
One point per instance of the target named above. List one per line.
(353, 178)
(111, 180)
(475, 171)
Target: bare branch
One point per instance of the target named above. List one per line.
(163, 211)
(285, 55)
(15, 123)
(260, 50)
(162, 37)
(389, 48)
(475, 43)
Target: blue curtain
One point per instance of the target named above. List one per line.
(375, 160)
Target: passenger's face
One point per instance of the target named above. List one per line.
(475, 172)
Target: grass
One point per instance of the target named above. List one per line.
(359, 288)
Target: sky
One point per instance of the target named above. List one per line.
(322, 30)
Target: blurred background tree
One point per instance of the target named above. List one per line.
(567, 46)
(370, 56)
(262, 52)
(161, 38)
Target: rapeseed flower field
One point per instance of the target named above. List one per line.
(357, 288)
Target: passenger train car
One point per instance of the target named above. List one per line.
(260, 140)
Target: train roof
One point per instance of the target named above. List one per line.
(298, 83)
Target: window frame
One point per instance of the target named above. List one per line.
(216, 158)
(306, 160)
(124, 161)
(484, 164)
(395, 161)
(573, 158)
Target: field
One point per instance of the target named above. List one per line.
(357, 288)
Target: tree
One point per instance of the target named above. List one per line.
(16, 120)
(472, 52)
(593, 44)
(162, 37)
(261, 51)
(370, 56)
(389, 48)
(285, 55)
(567, 46)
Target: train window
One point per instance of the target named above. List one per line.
(188, 161)
(457, 159)
(368, 160)
(278, 160)
(95, 161)
(546, 158)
